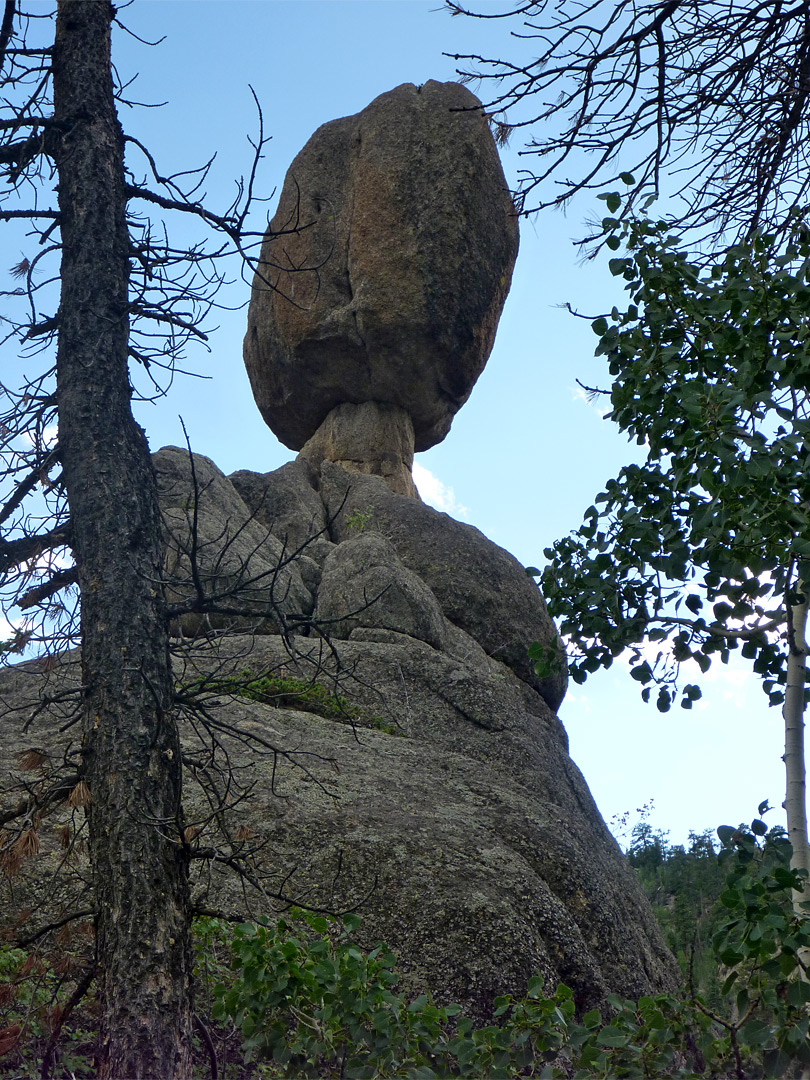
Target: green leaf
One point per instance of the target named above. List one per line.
(664, 700)
(613, 201)
(730, 956)
(641, 672)
(612, 1037)
(418, 1004)
(624, 267)
(757, 1033)
(729, 983)
(592, 1019)
(784, 877)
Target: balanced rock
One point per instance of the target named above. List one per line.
(383, 274)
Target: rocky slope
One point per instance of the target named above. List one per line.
(434, 793)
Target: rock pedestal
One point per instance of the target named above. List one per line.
(370, 438)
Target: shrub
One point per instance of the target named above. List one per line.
(306, 998)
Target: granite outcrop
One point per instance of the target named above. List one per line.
(436, 795)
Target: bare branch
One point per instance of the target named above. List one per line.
(10, 215)
(716, 94)
(59, 581)
(14, 552)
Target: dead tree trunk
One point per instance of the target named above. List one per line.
(130, 746)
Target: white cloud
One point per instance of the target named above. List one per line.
(734, 684)
(437, 494)
(48, 437)
(578, 699)
(598, 403)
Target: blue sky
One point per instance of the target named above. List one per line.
(528, 453)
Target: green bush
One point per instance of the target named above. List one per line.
(35, 987)
(310, 1000)
(298, 998)
(306, 998)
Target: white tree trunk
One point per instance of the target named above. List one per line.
(793, 712)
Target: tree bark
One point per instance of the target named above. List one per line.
(793, 713)
(130, 744)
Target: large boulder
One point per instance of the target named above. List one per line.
(452, 814)
(364, 585)
(385, 268)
